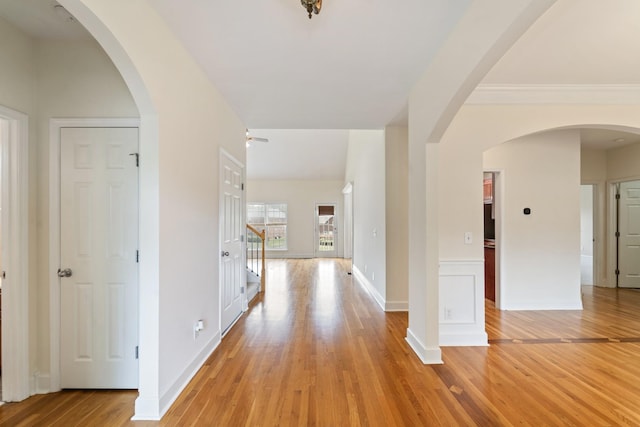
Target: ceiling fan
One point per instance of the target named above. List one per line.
(252, 139)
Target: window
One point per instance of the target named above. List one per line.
(271, 217)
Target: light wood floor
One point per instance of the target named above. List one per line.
(315, 350)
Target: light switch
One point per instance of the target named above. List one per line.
(468, 238)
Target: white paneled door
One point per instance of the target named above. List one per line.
(98, 272)
(629, 241)
(232, 228)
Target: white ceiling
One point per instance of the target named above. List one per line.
(605, 139)
(40, 19)
(350, 67)
(298, 154)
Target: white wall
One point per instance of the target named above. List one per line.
(366, 170)
(17, 69)
(397, 217)
(185, 123)
(74, 79)
(540, 252)
(623, 163)
(593, 171)
(301, 197)
(477, 128)
(593, 166)
(48, 79)
(17, 91)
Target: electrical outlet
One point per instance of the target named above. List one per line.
(199, 326)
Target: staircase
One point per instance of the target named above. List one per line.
(255, 262)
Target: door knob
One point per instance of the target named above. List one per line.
(225, 253)
(65, 273)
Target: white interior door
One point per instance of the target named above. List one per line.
(99, 240)
(629, 241)
(232, 226)
(326, 230)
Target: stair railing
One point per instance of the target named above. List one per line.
(255, 253)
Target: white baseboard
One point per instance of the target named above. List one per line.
(41, 384)
(147, 409)
(428, 356)
(362, 279)
(287, 255)
(576, 305)
(382, 302)
(154, 409)
(396, 306)
(479, 339)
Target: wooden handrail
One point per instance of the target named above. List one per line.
(262, 234)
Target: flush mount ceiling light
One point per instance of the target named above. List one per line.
(312, 6)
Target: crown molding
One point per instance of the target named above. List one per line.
(617, 94)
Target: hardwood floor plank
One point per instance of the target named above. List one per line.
(316, 350)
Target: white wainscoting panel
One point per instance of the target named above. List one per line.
(461, 314)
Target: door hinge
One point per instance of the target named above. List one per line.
(617, 234)
(618, 196)
(242, 238)
(242, 289)
(242, 186)
(136, 352)
(137, 256)
(4, 275)
(137, 158)
(617, 272)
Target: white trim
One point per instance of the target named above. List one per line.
(382, 302)
(611, 228)
(167, 398)
(277, 254)
(466, 326)
(55, 126)
(535, 306)
(396, 306)
(625, 94)
(347, 227)
(15, 244)
(428, 356)
(244, 303)
(148, 409)
(316, 231)
(362, 279)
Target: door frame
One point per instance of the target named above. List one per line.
(498, 201)
(596, 231)
(612, 212)
(348, 220)
(316, 234)
(55, 126)
(15, 299)
(243, 275)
